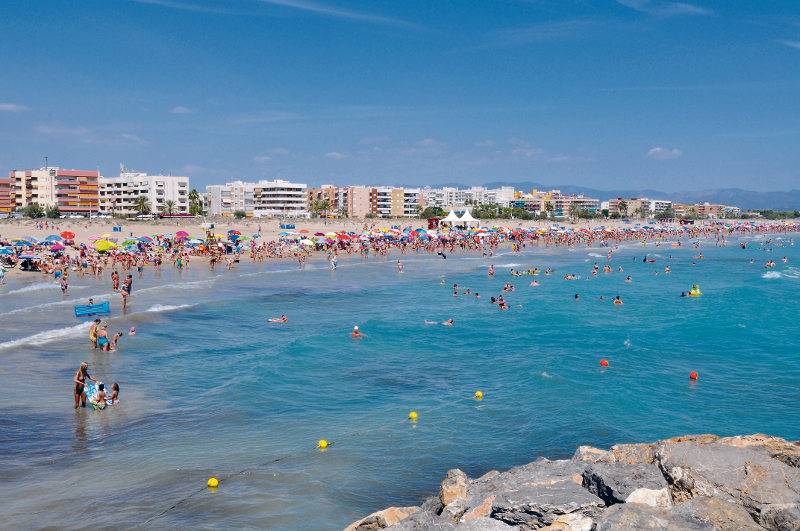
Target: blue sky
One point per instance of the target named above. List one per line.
(603, 93)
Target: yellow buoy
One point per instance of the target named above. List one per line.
(322, 444)
(213, 482)
(478, 395)
(413, 416)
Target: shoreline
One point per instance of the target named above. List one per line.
(748, 482)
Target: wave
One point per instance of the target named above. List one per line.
(180, 285)
(509, 265)
(47, 336)
(791, 272)
(596, 255)
(57, 334)
(65, 302)
(35, 287)
(772, 274)
(158, 308)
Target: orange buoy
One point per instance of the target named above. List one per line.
(693, 375)
(604, 362)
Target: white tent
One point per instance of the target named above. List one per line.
(451, 217)
(467, 218)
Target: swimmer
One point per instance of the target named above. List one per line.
(535, 283)
(114, 398)
(618, 301)
(132, 331)
(490, 271)
(628, 279)
(577, 297)
(399, 266)
(99, 399)
(449, 322)
(281, 319)
(356, 333)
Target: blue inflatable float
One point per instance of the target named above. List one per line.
(87, 310)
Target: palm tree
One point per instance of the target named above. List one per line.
(319, 206)
(168, 207)
(142, 205)
(195, 207)
(623, 208)
(549, 208)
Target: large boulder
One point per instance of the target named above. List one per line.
(534, 495)
(638, 516)
(767, 488)
(717, 512)
(775, 447)
(454, 487)
(382, 519)
(614, 482)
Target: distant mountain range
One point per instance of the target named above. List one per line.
(744, 199)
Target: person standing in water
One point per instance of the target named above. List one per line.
(80, 384)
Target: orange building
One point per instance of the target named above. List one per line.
(77, 191)
(6, 195)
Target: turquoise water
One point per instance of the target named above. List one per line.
(208, 388)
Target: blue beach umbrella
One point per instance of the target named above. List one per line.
(23, 243)
(54, 238)
(6, 250)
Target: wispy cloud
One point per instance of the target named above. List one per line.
(540, 32)
(335, 155)
(337, 12)
(191, 7)
(106, 136)
(790, 44)
(661, 153)
(12, 107)
(180, 109)
(665, 9)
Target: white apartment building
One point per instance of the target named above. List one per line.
(276, 198)
(476, 195)
(118, 195)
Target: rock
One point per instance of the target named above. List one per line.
(454, 510)
(537, 494)
(454, 487)
(785, 517)
(638, 516)
(423, 520)
(717, 512)
(746, 476)
(777, 448)
(483, 524)
(653, 498)
(571, 522)
(614, 482)
(632, 454)
(432, 505)
(590, 454)
(479, 511)
(382, 519)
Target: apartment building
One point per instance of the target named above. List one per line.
(392, 202)
(72, 191)
(358, 201)
(556, 204)
(6, 196)
(120, 195)
(264, 198)
(638, 207)
(448, 198)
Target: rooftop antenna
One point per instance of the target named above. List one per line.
(45, 162)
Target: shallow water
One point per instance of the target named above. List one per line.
(208, 388)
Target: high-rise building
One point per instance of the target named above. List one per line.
(449, 198)
(390, 202)
(72, 191)
(120, 195)
(358, 201)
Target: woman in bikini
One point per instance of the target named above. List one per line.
(80, 384)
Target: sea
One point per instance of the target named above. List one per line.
(209, 388)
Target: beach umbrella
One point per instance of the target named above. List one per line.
(195, 241)
(53, 238)
(104, 245)
(306, 241)
(68, 235)
(22, 243)
(145, 239)
(283, 234)
(181, 234)
(319, 234)
(330, 234)
(6, 250)
(57, 247)
(303, 231)
(31, 239)
(30, 256)
(130, 242)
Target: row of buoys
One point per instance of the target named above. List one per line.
(692, 375)
(413, 416)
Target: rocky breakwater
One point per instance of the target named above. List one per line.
(748, 482)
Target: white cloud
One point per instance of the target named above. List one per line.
(661, 153)
(261, 159)
(335, 12)
(180, 109)
(523, 148)
(12, 107)
(335, 155)
(790, 44)
(665, 9)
